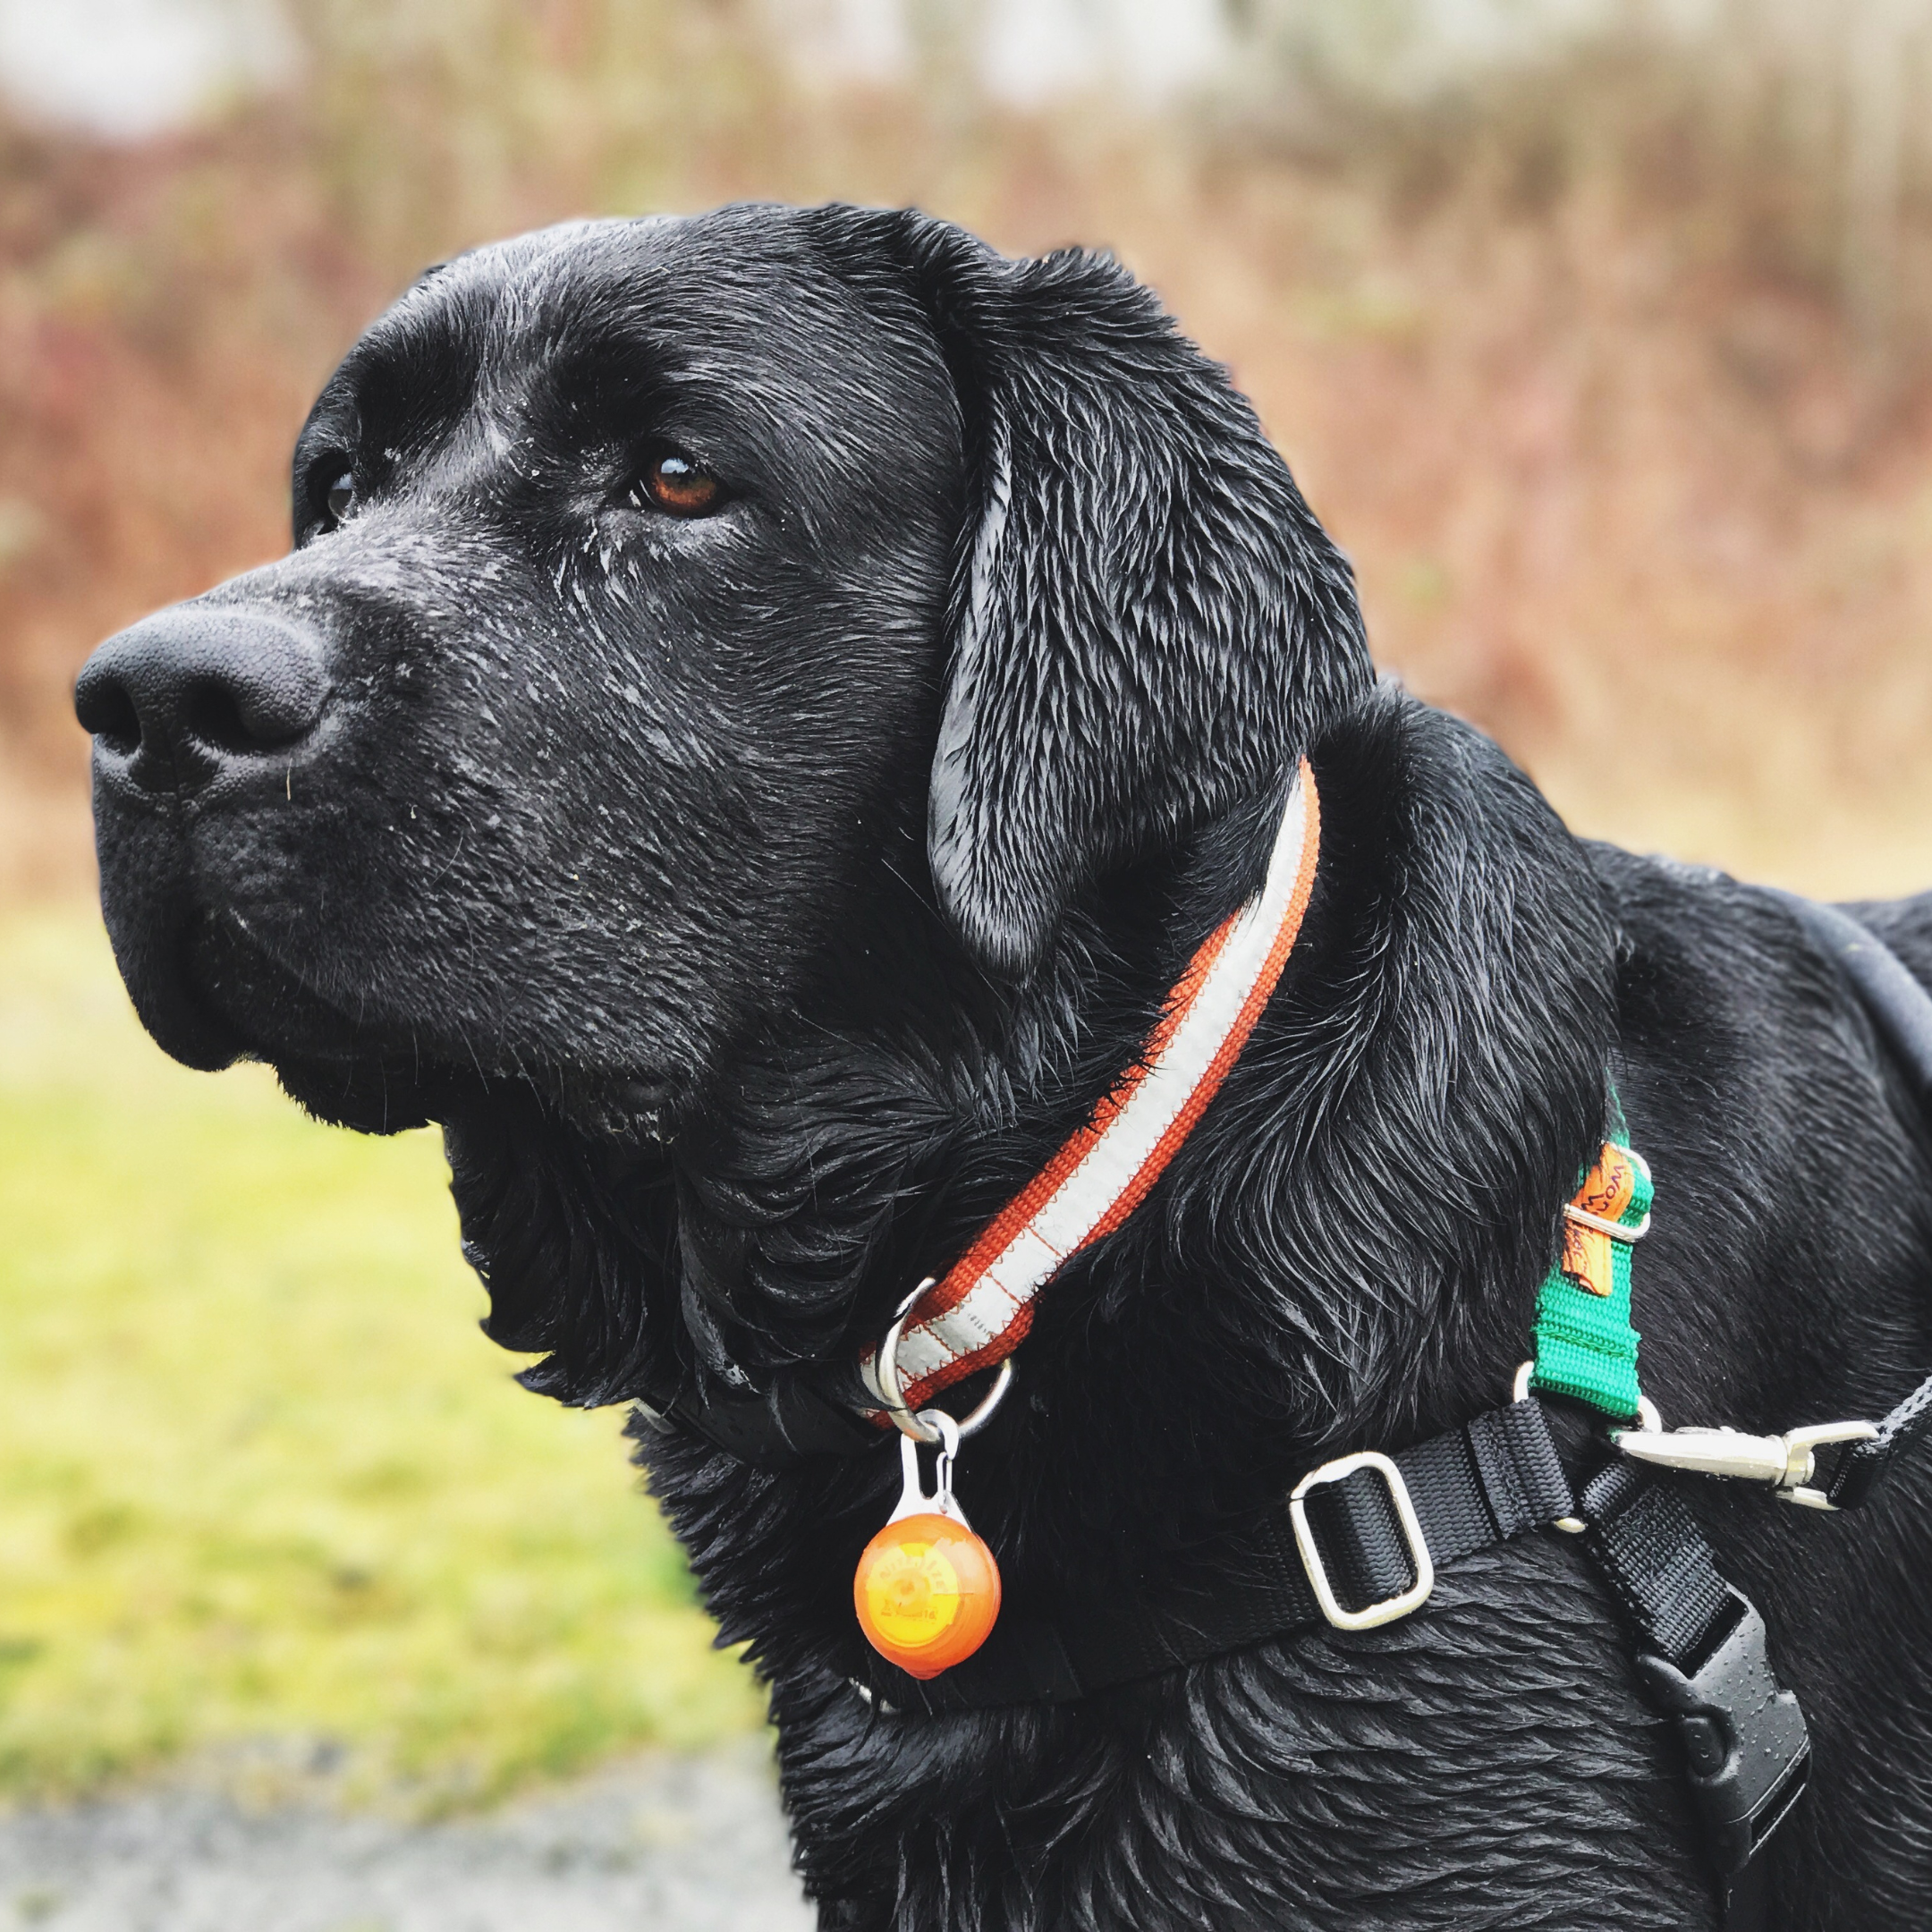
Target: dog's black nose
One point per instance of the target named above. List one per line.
(189, 690)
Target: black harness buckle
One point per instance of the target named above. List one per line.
(1750, 1752)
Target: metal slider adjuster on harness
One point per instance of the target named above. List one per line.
(1391, 1607)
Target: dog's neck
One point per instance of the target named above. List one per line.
(1352, 1239)
(876, 1134)
(972, 1319)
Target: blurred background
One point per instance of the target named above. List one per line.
(1598, 332)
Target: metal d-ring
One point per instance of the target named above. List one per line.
(1647, 1409)
(1647, 1414)
(886, 1368)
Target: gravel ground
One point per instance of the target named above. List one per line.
(665, 1844)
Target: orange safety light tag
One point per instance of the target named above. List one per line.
(927, 1589)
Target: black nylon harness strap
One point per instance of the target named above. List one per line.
(1701, 1645)
(1862, 1465)
(1701, 1657)
(1497, 1477)
(1657, 1564)
(1702, 1650)
(792, 1420)
(1900, 1007)
(1704, 1659)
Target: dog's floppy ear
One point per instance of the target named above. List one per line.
(1148, 624)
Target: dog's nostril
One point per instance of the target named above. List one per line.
(213, 715)
(107, 712)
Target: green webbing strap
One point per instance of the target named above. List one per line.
(1585, 1345)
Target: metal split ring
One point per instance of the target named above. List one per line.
(1616, 1230)
(886, 1368)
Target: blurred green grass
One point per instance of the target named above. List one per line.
(260, 1477)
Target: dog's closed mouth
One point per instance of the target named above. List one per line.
(267, 1003)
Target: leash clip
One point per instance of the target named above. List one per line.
(1802, 1464)
(1788, 1463)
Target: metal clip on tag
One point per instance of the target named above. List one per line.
(1787, 1461)
(913, 1500)
(927, 1589)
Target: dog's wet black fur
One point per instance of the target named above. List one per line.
(758, 897)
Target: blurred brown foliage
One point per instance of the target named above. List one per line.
(1608, 370)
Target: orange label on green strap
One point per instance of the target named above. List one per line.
(1607, 1192)
(1608, 1186)
(1586, 1347)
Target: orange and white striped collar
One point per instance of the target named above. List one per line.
(980, 1313)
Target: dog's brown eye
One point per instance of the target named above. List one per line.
(675, 483)
(340, 497)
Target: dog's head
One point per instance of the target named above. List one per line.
(668, 598)
(700, 631)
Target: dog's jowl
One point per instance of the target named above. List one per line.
(827, 759)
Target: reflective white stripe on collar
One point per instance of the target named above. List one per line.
(980, 1312)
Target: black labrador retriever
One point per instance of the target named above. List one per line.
(760, 714)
